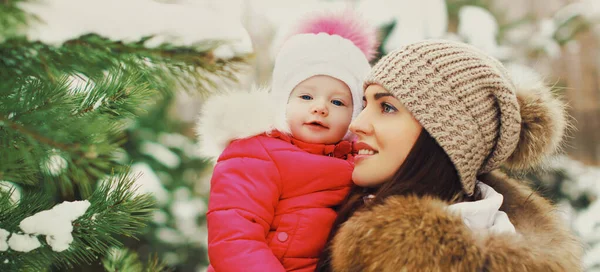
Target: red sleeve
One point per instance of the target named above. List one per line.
(243, 195)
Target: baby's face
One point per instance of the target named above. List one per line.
(319, 110)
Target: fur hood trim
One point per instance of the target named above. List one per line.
(235, 115)
(419, 234)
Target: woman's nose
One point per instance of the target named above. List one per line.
(361, 125)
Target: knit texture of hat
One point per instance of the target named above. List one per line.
(462, 97)
(338, 45)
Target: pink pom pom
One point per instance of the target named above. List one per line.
(345, 24)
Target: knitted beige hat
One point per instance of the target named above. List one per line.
(466, 101)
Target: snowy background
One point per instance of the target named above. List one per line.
(545, 35)
(544, 43)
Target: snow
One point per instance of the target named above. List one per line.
(592, 9)
(186, 209)
(120, 155)
(589, 10)
(178, 141)
(224, 52)
(170, 235)
(170, 258)
(587, 223)
(479, 28)
(569, 11)
(584, 180)
(56, 223)
(181, 193)
(99, 102)
(23, 242)
(148, 182)
(159, 217)
(174, 140)
(182, 23)
(3, 236)
(544, 38)
(377, 16)
(6, 186)
(282, 15)
(591, 258)
(79, 83)
(55, 164)
(285, 12)
(415, 20)
(161, 154)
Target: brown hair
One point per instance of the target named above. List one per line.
(427, 170)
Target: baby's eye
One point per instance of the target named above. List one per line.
(337, 102)
(306, 97)
(387, 108)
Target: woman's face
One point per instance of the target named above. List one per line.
(386, 132)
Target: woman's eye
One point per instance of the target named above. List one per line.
(306, 97)
(387, 108)
(337, 102)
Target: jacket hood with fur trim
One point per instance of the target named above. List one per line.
(235, 115)
(409, 233)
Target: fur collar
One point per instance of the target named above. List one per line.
(235, 115)
(419, 234)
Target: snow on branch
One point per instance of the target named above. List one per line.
(181, 23)
(55, 224)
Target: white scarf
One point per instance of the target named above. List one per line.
(484, 214)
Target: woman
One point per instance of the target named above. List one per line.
(440, 117)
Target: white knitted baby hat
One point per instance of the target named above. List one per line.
(337, 45)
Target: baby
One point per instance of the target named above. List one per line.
(287, 161)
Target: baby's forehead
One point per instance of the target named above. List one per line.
(319, 81)
(324, 89)
(344, 92)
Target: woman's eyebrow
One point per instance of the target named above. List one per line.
(380, 95)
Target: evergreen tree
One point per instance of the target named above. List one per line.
(163, 147)
(73, 117)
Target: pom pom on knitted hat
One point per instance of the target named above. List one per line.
(543, 120)
(347, 24)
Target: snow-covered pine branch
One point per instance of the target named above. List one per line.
(70, 232)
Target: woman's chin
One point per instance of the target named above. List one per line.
(363, 179)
